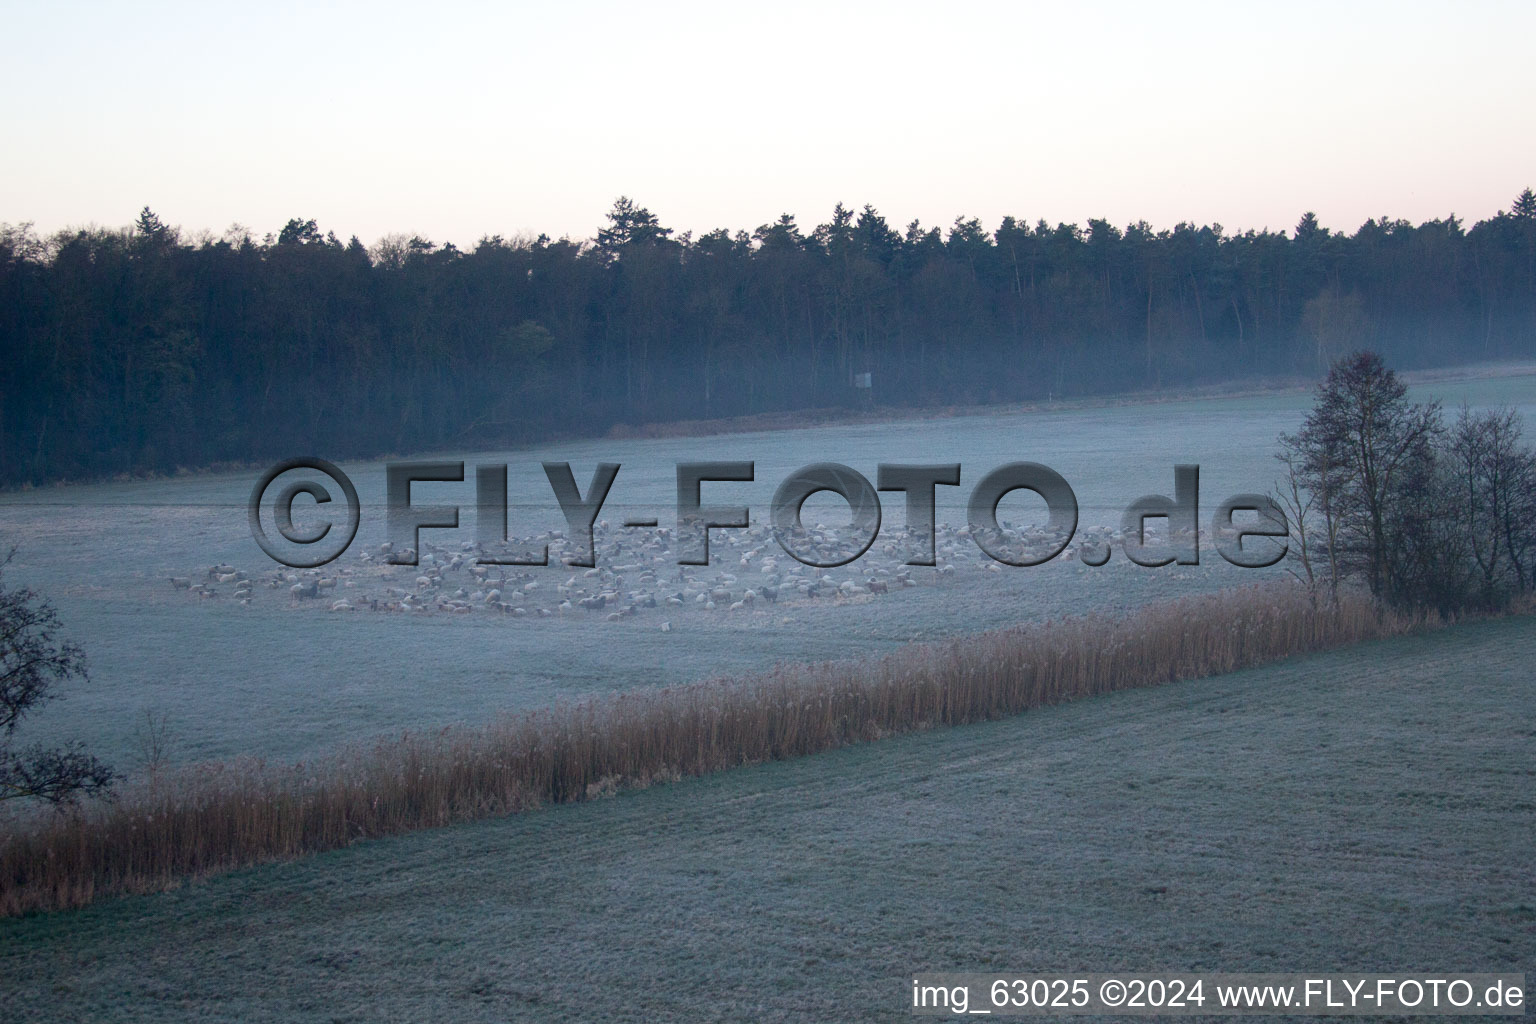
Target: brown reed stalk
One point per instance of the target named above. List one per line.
(212, 817)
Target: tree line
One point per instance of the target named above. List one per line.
(141, 350)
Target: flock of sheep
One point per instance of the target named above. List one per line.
(636, 573)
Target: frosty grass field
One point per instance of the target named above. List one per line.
(280, 681)
(1367, 808)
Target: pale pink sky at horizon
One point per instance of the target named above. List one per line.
(460, 120)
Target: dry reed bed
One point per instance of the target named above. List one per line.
(212, 817)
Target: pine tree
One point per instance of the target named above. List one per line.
(1525, 205)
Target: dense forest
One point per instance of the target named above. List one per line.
(141, 350)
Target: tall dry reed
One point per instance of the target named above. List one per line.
(213, 817)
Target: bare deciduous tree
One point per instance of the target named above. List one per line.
(1356, 447)
(33, 660)
(1426, 516)
(1301, 505)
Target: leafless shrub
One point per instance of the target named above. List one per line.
(154, 740)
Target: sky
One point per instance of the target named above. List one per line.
(457, 120)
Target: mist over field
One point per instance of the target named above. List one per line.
(289, 679)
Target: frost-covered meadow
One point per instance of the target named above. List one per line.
(1366, 809)
(274, 677)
